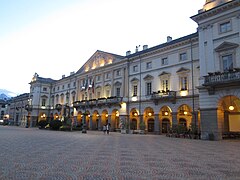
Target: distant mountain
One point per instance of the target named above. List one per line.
(5, 94)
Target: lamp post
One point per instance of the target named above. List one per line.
(29, 109)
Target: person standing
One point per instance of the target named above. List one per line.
(104, 129)
(108, 128)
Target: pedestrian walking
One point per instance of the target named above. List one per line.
(104, 129)
(108, 128)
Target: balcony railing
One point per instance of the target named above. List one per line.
(220, 78)
(164, 95)
(110, 101)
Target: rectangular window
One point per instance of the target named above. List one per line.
(135, 68)
(98, 78)
(107, 93)
(44, 89)
(82, 96)
(118, 73)
(118, 91)
(90, 96)
(227, 62)
(54, 89)
(62, 86)
(68, 85)
(52, 101)
(165, 85)
(164, 61)
(149, 88)
(43, 102)
(73, 98)
(149, 65)
(107, 76)
(135, 90)
(183, 83)
(74, 84)
(225, 27)
(58, 88)
(183, 56)
(98, 94)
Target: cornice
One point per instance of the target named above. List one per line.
(216, 10)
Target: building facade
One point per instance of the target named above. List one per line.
(191, 81)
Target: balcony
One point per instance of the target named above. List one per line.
(164, 96)
(222, 78)
(110, 101)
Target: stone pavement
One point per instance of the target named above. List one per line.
(30, 153)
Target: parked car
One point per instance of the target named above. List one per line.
(3, 122)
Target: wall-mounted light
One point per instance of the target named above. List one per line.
(117, 114)
(135, 114)
(134, 98)
(231, 107)
(149, 114)
(185, 112)
(165, 113)
(106, 115)
(183, 93)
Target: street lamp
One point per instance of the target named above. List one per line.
(29, 109)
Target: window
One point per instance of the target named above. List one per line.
(98, 78)
(98, 94)
(54, 89)
(164, 61)
(62, 86)
(62, 99)
(149, 65)
(227, 62)
(67, 98)
(225, 27)
(183, 56)
(43, 102)
(82, 96)
(135, 90)
(118, 73)
(165, 85)
(107, 93)
(44, 89)
(58, 88)
(68, 85)
(52, 101)
(183, 83)
(107, 75)
(135, 68)
(74, 84)
(73, 97)
(118, 91)
(90, 96)
(57, 99)
(148, 88)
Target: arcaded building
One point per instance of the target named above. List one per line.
(192, 81)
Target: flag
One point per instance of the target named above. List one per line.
(86, 83)
(93, 87)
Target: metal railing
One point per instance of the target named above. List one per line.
(222, 77)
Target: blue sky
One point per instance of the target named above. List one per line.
(56, 37)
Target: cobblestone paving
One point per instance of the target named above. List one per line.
(43, 154)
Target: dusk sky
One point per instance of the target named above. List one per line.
(56, 37)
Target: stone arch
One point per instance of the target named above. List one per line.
(95, 120)
(104, 117)
(115, 119)
(184, 112)
(165, 117)
(228, 113)
(148, 117)
(134, 119)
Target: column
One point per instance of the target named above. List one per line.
(156, 124)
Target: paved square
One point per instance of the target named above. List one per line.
(43, 154)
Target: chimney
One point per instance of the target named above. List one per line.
(71, 73)
(145, 47)
(169, 39)
(128, 53)
(63, 76)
